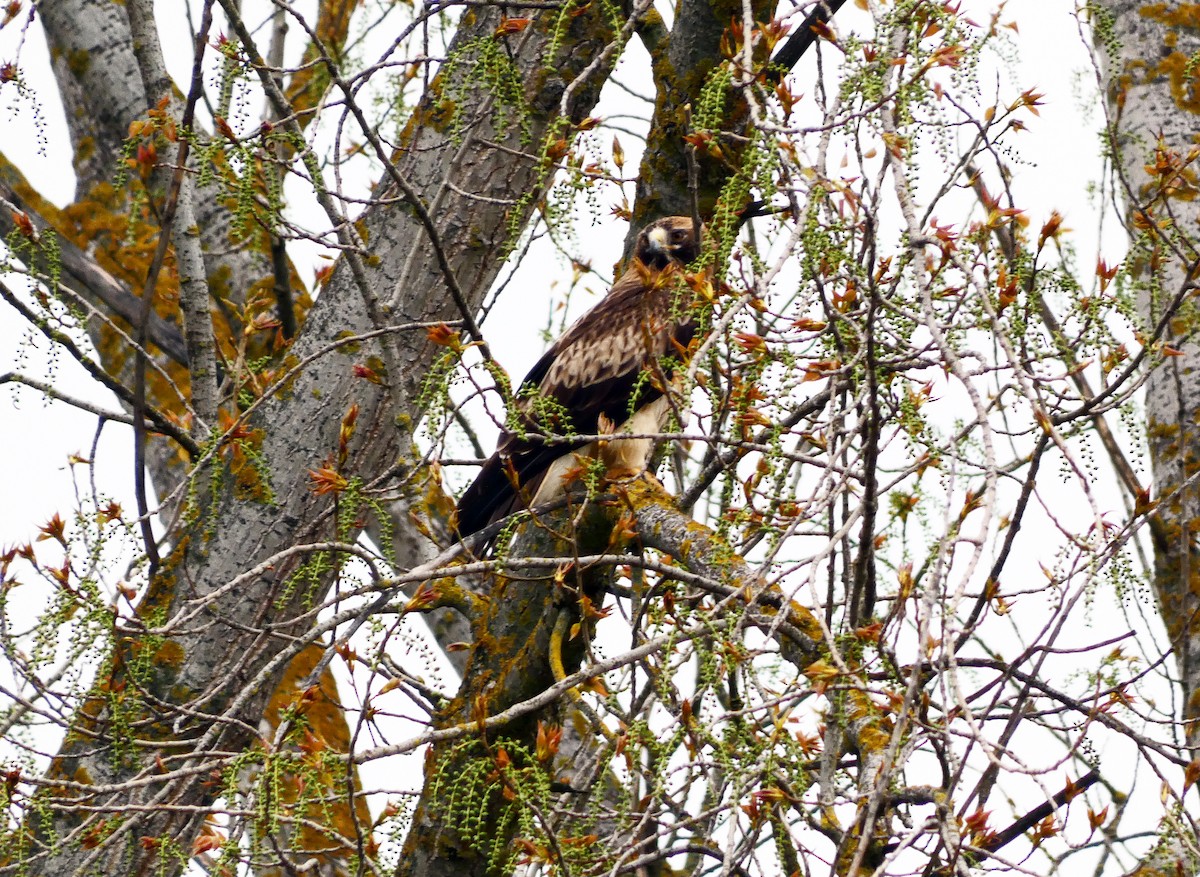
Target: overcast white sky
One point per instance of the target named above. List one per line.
(1061, 152)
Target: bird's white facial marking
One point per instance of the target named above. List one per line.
(658, 238)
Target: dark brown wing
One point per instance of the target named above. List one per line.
(597, 368)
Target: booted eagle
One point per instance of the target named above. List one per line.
(609, 368)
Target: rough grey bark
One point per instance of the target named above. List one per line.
(185, 234)
(1154, 113)
(510, 663)
(229, 645)
(209, 642)
(98, 79)
(516, 658)
(99, 110)
(682, 66)
(103, 90)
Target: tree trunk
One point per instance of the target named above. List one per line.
(1153, 101)
(220, 649)
(1153, 107)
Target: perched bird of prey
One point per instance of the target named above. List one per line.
(608, 369)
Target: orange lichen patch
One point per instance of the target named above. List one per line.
(1173, 14)
(1180, 70)
(1184, 78)
(804, 620)
(324, 730)
(319, 706)
(435, 114)
(11, 176)
(433, 508)
(874, 729)
(123, 245)
(240, 448)
(307, 87)
(121, 242)
(169, 654)
(119, 229)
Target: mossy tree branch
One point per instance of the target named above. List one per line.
(295, 432)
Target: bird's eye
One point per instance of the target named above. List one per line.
(678, 234)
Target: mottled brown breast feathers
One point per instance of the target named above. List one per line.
(610, 363)
(630, 327)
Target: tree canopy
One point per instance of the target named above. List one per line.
(909, 588)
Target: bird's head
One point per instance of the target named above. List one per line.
(670, 239)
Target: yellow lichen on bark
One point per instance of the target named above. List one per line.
(1178, 68)
(319, 727)
(1173, 14)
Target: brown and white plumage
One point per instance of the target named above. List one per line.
(608, 368)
